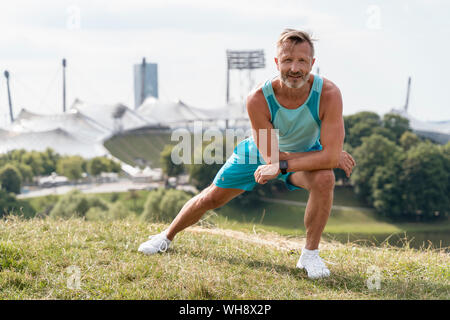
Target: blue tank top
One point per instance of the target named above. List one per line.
(299, 128)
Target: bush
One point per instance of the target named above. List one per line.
(151, 206)
(10, 179)
(74, 203)
(44, 205)
(163, 205)
(118, 211)
(10, 205)
(97, 214)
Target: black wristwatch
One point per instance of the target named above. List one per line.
(283, 166)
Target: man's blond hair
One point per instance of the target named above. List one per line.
(295, 36)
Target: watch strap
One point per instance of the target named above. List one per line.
(283, 166)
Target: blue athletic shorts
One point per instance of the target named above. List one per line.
(238, 171)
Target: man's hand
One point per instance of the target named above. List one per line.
(267, 172)
(346, 163)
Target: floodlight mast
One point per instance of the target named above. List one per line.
(64, 64)
(243, 60)
(6, 73)
(407, 95)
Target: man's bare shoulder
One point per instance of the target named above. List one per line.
(256, 102)
(330, 97)
(329, 90)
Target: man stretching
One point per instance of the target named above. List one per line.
(307, 112)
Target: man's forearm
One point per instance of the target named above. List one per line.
(293, 155)
(309, 161)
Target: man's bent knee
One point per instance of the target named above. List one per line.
(323, 180)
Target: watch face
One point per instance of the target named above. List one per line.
(283, 164)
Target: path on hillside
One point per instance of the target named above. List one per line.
(303, 204)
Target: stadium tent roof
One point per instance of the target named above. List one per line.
(3, 133)
(74, 123)
(436, 130)
(170, 112)
(167, 112)
(433, 126)
(58, 139)
(234, 111)
(109, 116)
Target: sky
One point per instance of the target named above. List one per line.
(367, 48)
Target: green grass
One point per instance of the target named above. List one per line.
(288, 219)
(344, 223)
(202, 263)
(343, 196)
(144, 145)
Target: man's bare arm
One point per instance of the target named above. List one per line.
(331, 137)
(260, 120)
(346, 161)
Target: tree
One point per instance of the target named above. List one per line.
(358, 125)
(387, 189)
(49, 158)
(382, 131)
(169, 168)
(10, 179)
(97, 165)
(26, 172)
(425, 181)
(409, 140)
(415, 186)
(375, 151)
(364, 124)
(34, 160)
(396, 124)
(70, 167)
(201, 175)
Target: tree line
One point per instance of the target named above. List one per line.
(21, 166)
(400, 174)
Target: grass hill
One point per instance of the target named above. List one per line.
(139, 146)
(38, 256)
(349, 218)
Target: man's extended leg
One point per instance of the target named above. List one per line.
(320, 185)
(210, 198)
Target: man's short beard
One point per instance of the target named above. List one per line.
(304, 79)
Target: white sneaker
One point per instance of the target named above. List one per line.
(313, 264)
(157, 243)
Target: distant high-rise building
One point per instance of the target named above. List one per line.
(145, 82)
